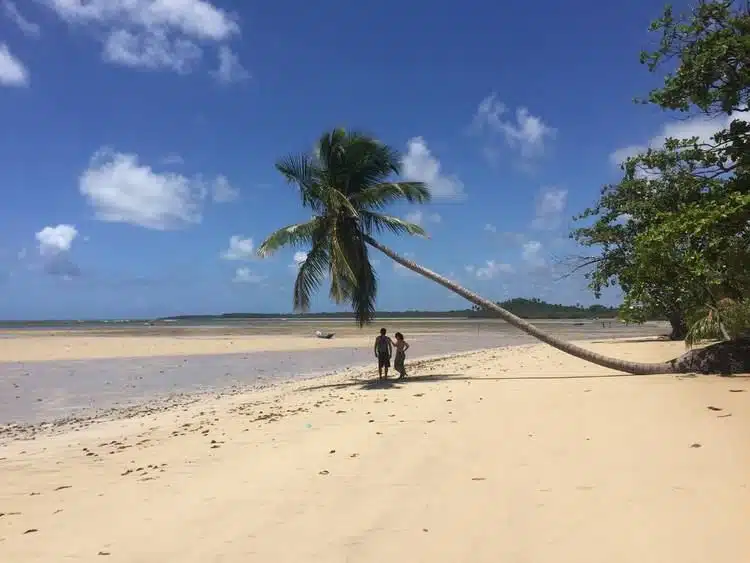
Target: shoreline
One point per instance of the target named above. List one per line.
(166, 402)
(490, 455)
(85, 374)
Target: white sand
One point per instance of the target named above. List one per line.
(516, 455)
(59, 347)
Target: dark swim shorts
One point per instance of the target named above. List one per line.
(384, 361)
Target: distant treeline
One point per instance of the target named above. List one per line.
(525, 308)
(538, 309)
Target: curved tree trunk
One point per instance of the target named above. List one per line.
(636, 368)
(679, 325)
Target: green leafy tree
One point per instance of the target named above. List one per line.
(686, 246)
(347, 182)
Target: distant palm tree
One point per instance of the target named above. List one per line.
(346, 183)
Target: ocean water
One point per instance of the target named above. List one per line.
(32, 392)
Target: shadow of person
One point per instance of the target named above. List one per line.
(390, 383)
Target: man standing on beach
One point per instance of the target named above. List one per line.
(383, 351)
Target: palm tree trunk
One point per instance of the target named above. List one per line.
(635, 368)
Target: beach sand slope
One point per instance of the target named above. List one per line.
(514, 455)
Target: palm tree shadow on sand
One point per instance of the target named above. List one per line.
(372, 384)
(391, 382)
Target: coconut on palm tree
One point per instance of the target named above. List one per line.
(347, 183)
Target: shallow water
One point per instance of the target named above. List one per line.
(32, 392)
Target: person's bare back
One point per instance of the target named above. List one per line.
(383, 352)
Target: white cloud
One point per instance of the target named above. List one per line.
(550, 205)
(55, 240)
(12, 71)
(13, 14)
(54, 248)
(420, 218)
(197, 18)
(153, 50)
(490, 270)
(245, 275)
(490, 228)
(239, 249)
(122, 190)
(528, 133)
(298, 259)
(222, 191)
(702, 127)
(420, 165)
(530, 252)
(152, 34)
(230, 68)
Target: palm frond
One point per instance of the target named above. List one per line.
(725, 320)
(301, 234)
(310, 276)
(346, 181)
(367, 162)
(386, 193)
(364, 290)
(300, 169)
(338, 201)
(341, 289)
(339, 239)
(330, 147)
(378, 222)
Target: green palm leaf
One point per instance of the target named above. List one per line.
(310, 276)
(377, 222)
(382, 195)
(296, 236)
(346, 181)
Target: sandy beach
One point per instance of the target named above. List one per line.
(519, 454)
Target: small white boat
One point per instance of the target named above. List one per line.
(325, 335)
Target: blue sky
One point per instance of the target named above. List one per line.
(139, 138)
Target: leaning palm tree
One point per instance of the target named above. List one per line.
(347, 183)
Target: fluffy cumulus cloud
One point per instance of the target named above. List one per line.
(153, 34)
(12, 70)
(524, 132)
(419, 165)
(122, 190)
(27, 27)
(418, 217)
(490, 270)
(239, 249)
(245, 275)
(702, 127)
(56, 240)
(54, 248)
(550, 205)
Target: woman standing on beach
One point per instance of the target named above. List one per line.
(401, 347)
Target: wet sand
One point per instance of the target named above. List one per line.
(519, 454)
(53, 375)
